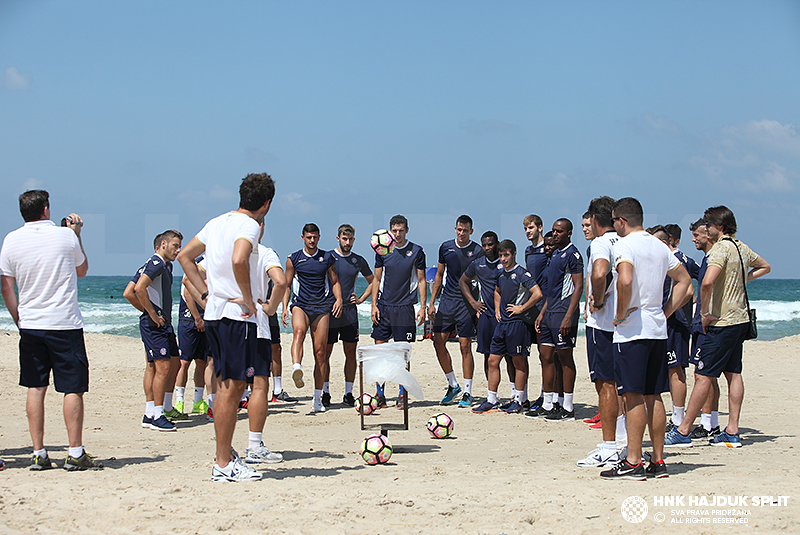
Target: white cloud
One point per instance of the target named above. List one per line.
(13, 79)
(31, 183)
(767, 134)
(488, 125)
(294, 202)
(774, 178)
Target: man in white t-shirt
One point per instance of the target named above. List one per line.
(642, 262)
(230, 309)
(45, 262)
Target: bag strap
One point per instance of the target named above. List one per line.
(744, 273)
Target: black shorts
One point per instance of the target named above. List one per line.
(192, 344)
(312, 312)
(454, 315)
(63, 352)
(396, 322)
(677, 346)
(345, 327)
(159, 342)
(697, 346)
(511, 338)
(722, 350)
(487, 323)
(551, 330)
(600, 354)
(640, 367)
(233, 345)
(261, 364)
(274, 329)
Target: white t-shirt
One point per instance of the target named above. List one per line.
(602, 248)
(259, 280)
(42, 258)
(651, 260)
(218, 236)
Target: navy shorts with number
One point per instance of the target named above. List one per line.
(396, 322)
(274, 329)
(233, 347)
(511, 338)
(600, 353)
(722, 350)
(454, 315)
(677, 346)
(487, 323)
(640, 367)
(261, 364)
(159, 342)
(697, 345)
(345, 327)
(192, 344)
(550, 334)
(63, 352)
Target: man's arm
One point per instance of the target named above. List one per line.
(422, 288)
(141, 293)
(191, 304)
(463, 284)
(599, 273)
(574, 300)
(760, 268)
(706, 288)
(368, 290)
(437, 285)
(624, 291)
(10, 297)
(497, 300)
(682, 290)
(130, 295)
(337, 292)
(288, 293)
(279, 286)
(242, 248)
(76, 224)
(534, 294)
(376, 284)
(186, 258)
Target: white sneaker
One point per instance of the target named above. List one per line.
(317, 406)
(599, 459)
(297, 377)
(262, 455)
(235, 471)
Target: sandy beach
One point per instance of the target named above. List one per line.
(499, 474)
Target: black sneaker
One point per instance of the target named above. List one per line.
(526, 405)
(715, 432)
(559, 414)
(349, 400)
(380, 399)
(700, 433)
(41, 463)
(326, 399)
(625, 470)
(283, 397)
(656, 469)
(538, 412)
(84, 462)
(670, 426)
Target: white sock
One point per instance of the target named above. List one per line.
(159, 412)
(254, 440)
(451, 379)
(621, 434)
(525, 394)
(560, 400)
(491, 397)
(179, 392)
(168, 402)
(198, 393)
(75, 452)
(326, 387)
(277, 385)
(547, 404)
(149, 408)
(296, 366)
(518, 396)
(468, 386)
(609, 445)
(211, 401)
(41, 453)
(714, 420)
(348, 387)
(705, 421)
(568, 401)
(318, 395)
(513, 390)
(677, 415)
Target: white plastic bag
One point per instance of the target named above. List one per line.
(387, 362)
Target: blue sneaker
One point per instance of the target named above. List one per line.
(674, 439)
(514, 408)
(485, 407)
(536, 404)
(162, 424)
(466, 401)
(451, 395)
(147, 421)
(726, 439)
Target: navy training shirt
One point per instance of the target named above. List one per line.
(487, 273)
(310, 285)
(558, 275)
(456, 259)
(160, 290)
(399, 281)
(515, 285)
(347, 269)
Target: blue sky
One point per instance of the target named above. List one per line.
(142, 116)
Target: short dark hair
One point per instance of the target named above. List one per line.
(310, 228)
(166, 235)
(697, 224)
(658, 228)
(346, 229)
(629, 209)
(600, 208)
(255, 190)
(723, 217)
(489, 234)
(674, 232)
(565, 220)
(32, 204)
(548, 235)
(464, 220)
(507, 246)
(587, 215)
(398, 220)
(533, 218)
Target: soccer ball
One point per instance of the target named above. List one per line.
(366, 404)
(440, 425)
(382, 242)
(376, 449)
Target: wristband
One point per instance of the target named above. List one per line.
(619, 320)
(706, 314)
(203, 296)
(598, 307)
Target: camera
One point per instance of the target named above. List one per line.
(65, 221)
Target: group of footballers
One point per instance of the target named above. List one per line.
(638, 313)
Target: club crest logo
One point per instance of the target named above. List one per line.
(513, 276)
(251, 371)
(408, 253)
(163, 351)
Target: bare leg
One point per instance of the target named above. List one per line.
(149, 374)
(702, 386)
(677, 386)
(607, 403)
(257, 406)
(299, 328)
(521, 372)
(548, 368)
(494, 372)
(73, 417)
(199, 373)
(735, 397)
(440, 346)
(161, 380)
(636, 421)
(350, 363)
(567, 369)
(183, 374)
(35, 409)
(226, 405)
(277, 363)
(467, 360)
(319, 339)
(657, 423)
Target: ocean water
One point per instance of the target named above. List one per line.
(777, 302)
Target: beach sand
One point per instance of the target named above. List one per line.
(500, 474)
